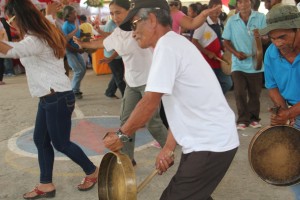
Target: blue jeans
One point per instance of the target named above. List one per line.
(77, 64)
(296, 188)
(117, 79)
(9, 68)
(52, 129)
(224, 80)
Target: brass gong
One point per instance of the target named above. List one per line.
(274, 155)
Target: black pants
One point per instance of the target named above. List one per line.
(117, 79)
(198, 175)
(2, 68)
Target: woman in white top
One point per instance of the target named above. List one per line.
(2, 67)
(137, 62)
(41, 51)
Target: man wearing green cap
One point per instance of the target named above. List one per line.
(282, 66)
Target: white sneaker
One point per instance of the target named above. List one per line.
(255, 124)
(241, 127)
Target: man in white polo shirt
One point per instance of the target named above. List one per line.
(200, 119)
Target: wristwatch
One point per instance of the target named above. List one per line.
(123, 137)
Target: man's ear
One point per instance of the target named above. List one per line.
(153, 20)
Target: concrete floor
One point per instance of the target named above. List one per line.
(19, 173)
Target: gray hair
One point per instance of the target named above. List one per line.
(163, 16)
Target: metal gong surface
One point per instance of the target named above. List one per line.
(116, 180)
(274, 155)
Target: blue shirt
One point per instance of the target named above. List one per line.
(241, 37)
(67, 28)
(109, 27)
(281, 74)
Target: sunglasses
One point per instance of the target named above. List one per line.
(134, 24)
(10, 20)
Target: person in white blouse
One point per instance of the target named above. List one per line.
(41, 51)
(137, 62)
(2, 67)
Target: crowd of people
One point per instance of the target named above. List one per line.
(162, 55)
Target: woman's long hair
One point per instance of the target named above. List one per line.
(31, 21)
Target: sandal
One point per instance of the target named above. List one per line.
(87, 180)
(40, 194)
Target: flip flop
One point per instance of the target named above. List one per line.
(87, 180)
(40, 194)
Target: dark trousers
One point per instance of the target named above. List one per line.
(247, 90)
(198, 175)
(52, 129)
(2, 68)
(117, 79)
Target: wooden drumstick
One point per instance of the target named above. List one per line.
(221, 60)
(150, 177)
(147, 180)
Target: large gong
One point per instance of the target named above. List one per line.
(274, 155)
(116, 180)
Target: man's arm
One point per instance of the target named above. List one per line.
(165, 158)
(193, 23)
(210, 54)
(284, 113)
(228, 45)
(93, 44)
(4, 48)
(276, 98)
(143, 111)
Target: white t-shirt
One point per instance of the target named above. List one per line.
(197, 111)
(43, 69)
(137, 61)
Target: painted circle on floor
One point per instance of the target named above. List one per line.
(86, 132)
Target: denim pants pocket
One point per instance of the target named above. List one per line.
(70, 102)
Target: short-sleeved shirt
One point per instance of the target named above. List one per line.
(137, 61)
(281, 74)
(67, 28)
(109, 27)
(241, 37)
(197, 111)
(176, 17)
(209, 40)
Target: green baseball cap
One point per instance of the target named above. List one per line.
(282, 17)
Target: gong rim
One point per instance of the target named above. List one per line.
(257, 152)
(116, 179)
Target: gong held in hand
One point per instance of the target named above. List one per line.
(116, 179)
(274, 155)
(257, 51)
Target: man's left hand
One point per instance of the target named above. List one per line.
(164, 160)
(281, 118)
(112, 141)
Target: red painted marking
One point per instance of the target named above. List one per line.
(90, 135)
